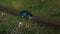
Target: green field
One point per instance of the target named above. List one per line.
(49, 9)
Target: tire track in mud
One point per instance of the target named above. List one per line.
(35, 18)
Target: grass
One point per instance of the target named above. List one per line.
(42, 8)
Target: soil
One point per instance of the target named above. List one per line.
(37, 19)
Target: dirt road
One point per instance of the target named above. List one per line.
(35, 18)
